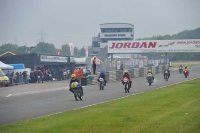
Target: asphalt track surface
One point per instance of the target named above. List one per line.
(18, 103)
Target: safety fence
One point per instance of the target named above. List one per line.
(112, 76)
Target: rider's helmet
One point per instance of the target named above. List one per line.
(102, 72)
(73, 76)
(126, 72)
(149, 71)
(185, 67)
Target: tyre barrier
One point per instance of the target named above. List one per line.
(157, 69)
(154, 70)
(136, 72)
(113, 76)
(131, 72)
(141, 72)
(160, 68)
(145, 71)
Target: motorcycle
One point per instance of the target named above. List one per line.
(180, 70)
(39, 79)
(50, 77)
(77, 91)
(126, 85)
(64, 75)
(186, 73)
(101, 83)
(166, 75)
(149, 78)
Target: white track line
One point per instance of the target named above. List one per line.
(9, 95)
(38, 91)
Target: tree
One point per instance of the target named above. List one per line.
(82, 52)
(22, 49)
(43, 47)
(65, 50)
(76, 51)
(8, 47)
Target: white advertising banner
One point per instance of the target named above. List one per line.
(118, 64)
(113, 63)
(45, 58)
(71, 46)
(155, 62)
(86, 50)
(141, 64)
(145, 46)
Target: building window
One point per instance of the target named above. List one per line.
(110, 30)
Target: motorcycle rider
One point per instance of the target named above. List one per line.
(186, 69)
(74, 79)
(149, 71)
(102, 75)
(167, 72)
(128, 76)
(181, 67)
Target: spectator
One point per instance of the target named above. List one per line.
(32, 76)
(94, 65)
(9, 75)
(25, 76)
(17, 77)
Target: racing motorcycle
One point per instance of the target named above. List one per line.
(186, 73)
(77, 91)
(39, 79)
(180, 70)
(166, 75)
(149, 78)
(50, 77)
(101, 83)
(126, 85)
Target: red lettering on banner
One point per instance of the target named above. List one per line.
(152, 44)
(144, 45)
(113, 45)
(119, 45)
(135, 45)
(127, 44)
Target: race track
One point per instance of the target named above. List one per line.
(23, 102)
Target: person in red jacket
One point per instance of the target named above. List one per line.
(128, 76)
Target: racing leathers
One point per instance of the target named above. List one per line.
(150, 73)
(168, 72)
(75, 80)
(102, 75)
(128, 76)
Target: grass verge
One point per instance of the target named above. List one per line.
(174, 109)
(185, 63)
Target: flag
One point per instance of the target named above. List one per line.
(71, 46)
(58, 52)
(86, 50)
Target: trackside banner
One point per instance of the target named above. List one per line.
(144, 46)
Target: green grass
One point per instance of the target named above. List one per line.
(184, 63)
(174, 109)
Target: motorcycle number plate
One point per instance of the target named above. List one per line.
(125, 80)
(38, 76)
(149, 75)
(100, 79)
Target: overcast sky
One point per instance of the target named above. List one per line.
(77, 21)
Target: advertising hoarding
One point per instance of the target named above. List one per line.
(146, 46)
